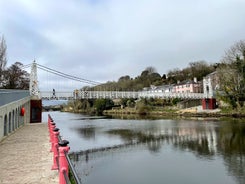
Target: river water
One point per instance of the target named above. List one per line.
(154, 151)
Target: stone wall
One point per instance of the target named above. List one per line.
(11, 118)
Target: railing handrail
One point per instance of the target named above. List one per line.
(66, 177)
(72, 169)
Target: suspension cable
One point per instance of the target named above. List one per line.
(67, 75)
(61, 74)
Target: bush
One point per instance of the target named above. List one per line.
(103, 104)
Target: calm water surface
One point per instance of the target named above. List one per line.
(123, 151)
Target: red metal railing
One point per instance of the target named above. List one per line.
(60, 148)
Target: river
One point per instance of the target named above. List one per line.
(154, 151)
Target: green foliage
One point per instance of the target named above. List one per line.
(129, 102)
(103, 104)
(142, 107)
(175, 101)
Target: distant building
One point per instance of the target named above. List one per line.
(162, 88)
(188, 86)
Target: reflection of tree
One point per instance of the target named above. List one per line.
(236, 166)
(232, 146)
(87, 132)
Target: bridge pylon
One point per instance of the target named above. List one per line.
(34, 89)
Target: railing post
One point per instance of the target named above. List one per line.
(51, 126)
(50, 120)
(63, 164)
(51, 133)
(55, 148)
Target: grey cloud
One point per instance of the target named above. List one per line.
(104, 40)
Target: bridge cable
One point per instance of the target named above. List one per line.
(66, 75)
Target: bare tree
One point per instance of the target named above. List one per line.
(235, 53)
(16, 78)
(3, 58)
(231, 73)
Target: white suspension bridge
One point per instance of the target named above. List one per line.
(82, 94)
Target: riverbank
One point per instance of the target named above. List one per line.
(168, 112)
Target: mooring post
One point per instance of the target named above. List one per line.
(50, 120)
(63, 163)
(52, 135)
(50, 128)
(55, 149)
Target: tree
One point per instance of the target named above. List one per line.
(103, 104)
(15, 77)
(3, 58)
(199, 69)
(231, 73)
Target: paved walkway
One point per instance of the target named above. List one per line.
(25, 157)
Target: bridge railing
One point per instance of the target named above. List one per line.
(61, 95)
(137, 94)
(118, 94)
(148, 94)
(107, 94)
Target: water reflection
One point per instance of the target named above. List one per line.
(87, 132)
(205, 140)
(232, 146)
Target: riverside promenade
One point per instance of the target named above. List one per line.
(25, 157)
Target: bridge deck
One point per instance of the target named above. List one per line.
(25, 156)
(118, 94)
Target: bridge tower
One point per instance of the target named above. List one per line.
(34, 90)
(36, 102)
(209, 101)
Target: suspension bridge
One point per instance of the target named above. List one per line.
(78, 93)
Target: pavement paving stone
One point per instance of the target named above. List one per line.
(25, 157)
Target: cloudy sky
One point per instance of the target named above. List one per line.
(102, 40)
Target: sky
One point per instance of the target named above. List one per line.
(102, 40)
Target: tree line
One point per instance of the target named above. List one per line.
(13, 77)
(150, 76)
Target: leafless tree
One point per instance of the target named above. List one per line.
(3, 58)
(235, 53)
(231, 73)
(16, 78)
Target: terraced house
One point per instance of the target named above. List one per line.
(188, 86)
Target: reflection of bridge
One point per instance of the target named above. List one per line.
(184, 138)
